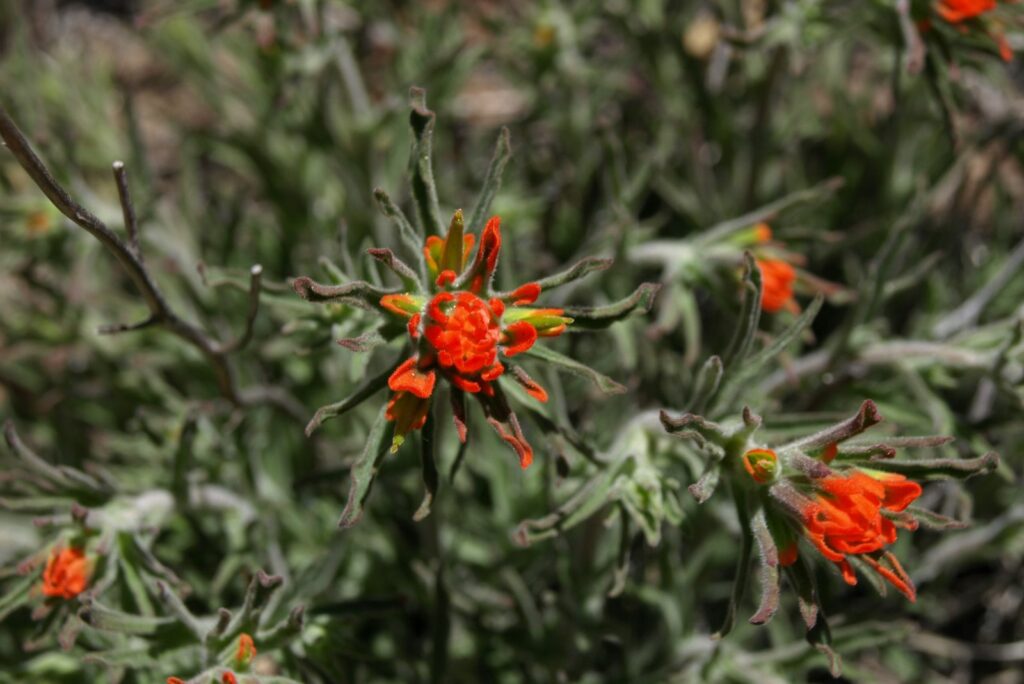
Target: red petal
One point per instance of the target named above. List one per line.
(464, 384)
(486, 254)
(530, 385)
(516, 441)
(788, 554)
(895, 574)
(849, 576)
(518, 337)
(525, 294)
(446, 278)
(498, 307)
(409, 378)
(434, 308)
(400, 304)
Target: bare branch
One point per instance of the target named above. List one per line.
(127, 207)
(255, 276)
(131, 261)
(116, 328)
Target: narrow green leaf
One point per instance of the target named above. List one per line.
(562, 362)
(703, 488)
(492, 181)
(364, 470)
(410, 280)
(356, 293)
(574, 272)
(428, 465)
(17, 595)
(587, 500)
(421, 169)
(723, 230)
(106, 619)
(768, 554)
(369, 387)
(741, 375)
(750, 314)
(410, 236)
(935, 521)
(597, 317)
(127, 561)
(706, 387)
(742, 576)
(940, 468)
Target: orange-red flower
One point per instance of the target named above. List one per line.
(66, 574)
(849, 516)
(956, 11)
(960, 11)
(246, 651)
(464, 332)
(777, 279)
(761, 464)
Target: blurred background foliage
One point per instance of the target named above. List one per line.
(256, 132)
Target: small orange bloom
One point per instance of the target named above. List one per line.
(787, 554)
(761, 464)
(847, 517)
(175, 680)
(228, 678)
(463, 332)
(762, 232)
(960, 11)
(956, 11)
(246, 651)
(66, 574)
(777, 278)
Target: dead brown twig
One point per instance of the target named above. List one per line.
(129, 256)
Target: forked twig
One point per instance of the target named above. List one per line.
(129, 255)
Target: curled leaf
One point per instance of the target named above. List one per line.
(597, 317)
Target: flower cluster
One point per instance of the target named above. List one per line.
(241, 662)
(66, 574)
(465, 332)
(971, 14)
(844, 500)
(849, 514)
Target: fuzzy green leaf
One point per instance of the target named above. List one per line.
(364, 470)
(598, 317)
(562, 362)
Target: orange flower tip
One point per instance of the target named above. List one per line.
(777, 278)
(788, 554)
(1004, 48)
(404, 305)
(228, 678)
(525, 294)
(66, 574)
(246, 650)
(553, 332)
(761, 464)
(497, 307)
(409, 378)
(537, 392)
(175, 680)
(518, 337)
(959, 11)
(526, 459)
(762, 232)
(446, 278)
